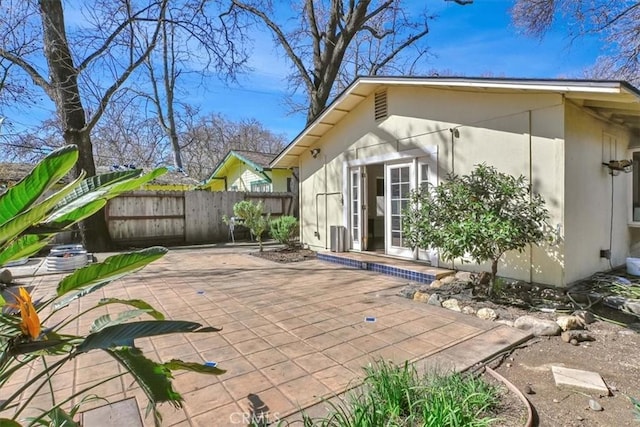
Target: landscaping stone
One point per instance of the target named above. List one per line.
(586, 316)
(436, 284)
(568, 323)
(578, 336)
(448, 279)
(421, 296)
(6, 277)
(538, 327)
(407, 292)
(632, 305)
(505, 322)
(576, 378)
(451, 304)
(467, 309)
(487, 314)
(464, 276)
(594, 405)
(435, 300)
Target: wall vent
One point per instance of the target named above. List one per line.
(380, 107)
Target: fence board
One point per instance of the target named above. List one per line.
(182, 216)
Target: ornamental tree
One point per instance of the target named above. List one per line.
(481, 216)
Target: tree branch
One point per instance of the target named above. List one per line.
(462, 2)
(281, 39)
(397, 50)
(125, 75)
(29, 69)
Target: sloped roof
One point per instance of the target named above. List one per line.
(254, 159)
(14, 172)
(616, 100)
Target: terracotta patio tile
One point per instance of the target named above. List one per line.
(368, 343)
(265, 358)
(220, 354)
(314, 362)
(348, 333)
(224, 416)
(283, 372)
(343, 352)
(394, 354)
(458, 330)
(323, 342)
(336, 378)
(93, 373)
(417, 347)
(202, 342)
(239, 336)
(390, 335)
(280, 338)
(271, 403)
(255, 321)
(164, 341)
(243, 385)
(235, 367)
(307, 331)
(292, 323)
(252, 346)
(316, 317)
(437, 338)
(191, 381)
(266, 330)
(304, 391)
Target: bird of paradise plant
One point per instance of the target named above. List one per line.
(28, 220)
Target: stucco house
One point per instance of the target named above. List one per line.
(243, 170)
(384, 136)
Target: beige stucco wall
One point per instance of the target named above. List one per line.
(557, 145)
(590, 141)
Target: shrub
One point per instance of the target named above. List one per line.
(284, 230)
(483, 215)
(253, 217)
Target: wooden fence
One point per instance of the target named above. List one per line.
(182, 217)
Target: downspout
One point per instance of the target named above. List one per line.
(530, 189)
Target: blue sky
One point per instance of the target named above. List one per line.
(474, 40)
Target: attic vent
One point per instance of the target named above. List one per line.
(380, 111)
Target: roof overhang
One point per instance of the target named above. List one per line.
(617, 101)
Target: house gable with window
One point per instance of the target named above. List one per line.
(242, 170)
(385, 136)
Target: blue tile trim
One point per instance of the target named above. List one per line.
(414, 276)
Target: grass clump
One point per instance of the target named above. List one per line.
(394, 395)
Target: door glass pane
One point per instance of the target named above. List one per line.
(400, 186)
(404, 174)
(395, 175)
(355, 206)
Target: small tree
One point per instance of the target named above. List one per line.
(253, 217)
(481, 215)
(284, 229)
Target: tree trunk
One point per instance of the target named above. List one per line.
(494, 272)
(66, 96)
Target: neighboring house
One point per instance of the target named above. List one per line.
(242, 170)
(384, 136)
(12, 173)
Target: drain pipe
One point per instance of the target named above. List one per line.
(530, 190)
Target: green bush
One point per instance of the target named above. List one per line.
(284, 230)
(253, 217)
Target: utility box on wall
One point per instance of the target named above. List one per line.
(338, 238)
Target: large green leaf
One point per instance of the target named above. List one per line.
(134, 184)
(137, 303)
(17, 224)
(46, 173)
(6, 422)
(111, 269)
(152, 377)
(176, 365)
(64, 218)
(95, 182)
(106, 320)
(23, 247)
(125, 334)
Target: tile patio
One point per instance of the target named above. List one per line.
(294, 334)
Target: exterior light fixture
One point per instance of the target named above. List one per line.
(315, 152)
(619, 166)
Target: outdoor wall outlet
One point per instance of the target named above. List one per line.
(605, 253)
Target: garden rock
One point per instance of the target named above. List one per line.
(632, 305)
(487, 314)
(448, 279)
(467, 309)
(586, 316)
(538, 327)
(407, 292)
(484, 278)
(435, 300)
(578, 336)
(451, 304)
(568, 323)
(594, 405)
(6, 277)
(421, 296)
(464, 276)
(505, 322)
(436, 284)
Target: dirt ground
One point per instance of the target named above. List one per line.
(614, 355)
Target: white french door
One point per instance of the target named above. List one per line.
(400, 180)
(358, 208)
(427, 179)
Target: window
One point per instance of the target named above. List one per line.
(289, 182)
(261, 186)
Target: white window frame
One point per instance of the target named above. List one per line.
(631, 208)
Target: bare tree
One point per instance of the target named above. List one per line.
(617, 22)
(209, 138)
(336, 41)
